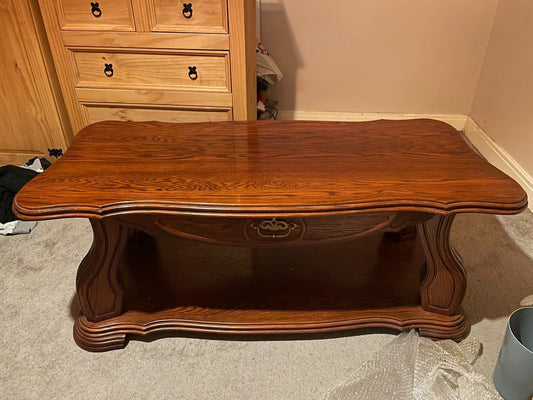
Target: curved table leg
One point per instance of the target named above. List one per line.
(98, 288)
(443, 289)
(444, 286)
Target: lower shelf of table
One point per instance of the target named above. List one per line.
(177, 320)
(172, 284)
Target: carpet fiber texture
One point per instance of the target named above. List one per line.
(39, 359)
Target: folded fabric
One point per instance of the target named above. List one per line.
(17, 227)
(36, 164)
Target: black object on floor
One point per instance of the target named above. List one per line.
(12, 179)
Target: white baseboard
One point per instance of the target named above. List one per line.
(455, 120)
(498, 157)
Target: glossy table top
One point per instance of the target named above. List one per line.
(259, 167)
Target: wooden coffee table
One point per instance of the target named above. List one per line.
(268, 227)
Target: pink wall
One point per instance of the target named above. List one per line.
(503, 104)
(412, 56)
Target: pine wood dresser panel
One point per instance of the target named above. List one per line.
(115, 15)
(268, 227)
(33, 115)
(154, 55)
(208, 16)
(99, 113)
(172, 71)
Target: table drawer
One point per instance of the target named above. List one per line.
(103, 15)
(99, 113)
(277, 230)
(153, 71)
(200, 16)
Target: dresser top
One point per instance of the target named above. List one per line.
(266, 167)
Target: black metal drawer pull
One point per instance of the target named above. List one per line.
(96, 11)
(193, 74)
(55, 152)
(108, 70)
(187, 10)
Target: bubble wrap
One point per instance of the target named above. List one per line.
(416, 368)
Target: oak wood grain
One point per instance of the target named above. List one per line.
(191, 286)
(294, 231)
(111, 334)
(266, 168)
(444, 287)
(98, 290)
(268, 227)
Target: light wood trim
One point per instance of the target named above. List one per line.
(243, 60)
(141, 15)
(30, 110)
(19, 157)
(87, 22)
(144, 40)
(191, 26)
(134, 112)
(155, 97)
(149, 70)
(63, 64)
(240, 42)
(53, 80)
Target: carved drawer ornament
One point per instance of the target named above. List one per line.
(274, 228)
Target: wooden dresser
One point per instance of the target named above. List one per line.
(164, 60)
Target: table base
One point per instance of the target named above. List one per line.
(136, 282)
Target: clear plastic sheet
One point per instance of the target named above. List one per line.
(416, 368)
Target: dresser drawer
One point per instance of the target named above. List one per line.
(198, 16)
(99, 113)
(103, 15)
(208, 72)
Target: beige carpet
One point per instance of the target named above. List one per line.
(39, 360)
